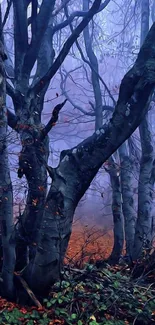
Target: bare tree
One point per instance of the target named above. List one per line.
(126, 171)
(143, 234)
(36, 48)
(79, 166)
(116, 211)
(98, 110)
(6, 195)
(28, 102)
(47, 220)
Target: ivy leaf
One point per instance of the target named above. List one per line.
(79, 322)
(116, 284)
(73, 316)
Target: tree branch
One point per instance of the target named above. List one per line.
(6, 14)
(67, 46)
(29, 291)
(53, 119)
(12, 120)
(92, 66)
(9, 66)
(20, 32)
(136, 88)
(77, 14)
(94, 76)
(45, 58)
(62, 87)
(62, 5)
(41, 21)
(34, 18)
(10, 91)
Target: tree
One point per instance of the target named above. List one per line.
(47, 219)
(116, 211)
(143, 234)
(28, 103)
(126, 193)
(126, 167)
(98, 110)
(6, 198)
(79, 165)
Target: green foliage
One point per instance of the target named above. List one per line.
(90, 297)
(112, 296)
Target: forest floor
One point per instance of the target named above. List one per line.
(88, 244)
(88, 295)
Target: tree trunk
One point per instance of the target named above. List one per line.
(63, 197)
(152, 182)
(117, 213)
(143, 233)
(33, 160)
(94, 72)
(6, 195)
(32, 163)
(129, 213)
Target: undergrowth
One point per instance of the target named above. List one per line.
(89, 297)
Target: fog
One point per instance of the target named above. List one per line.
(115, 33)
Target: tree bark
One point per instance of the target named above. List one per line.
(117, 212)
(31, 164)
(129, 213)
(6, 195)
(94, 72)
(61, 202)
(143, 233)
(33, 158)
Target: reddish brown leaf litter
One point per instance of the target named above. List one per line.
(88, 244)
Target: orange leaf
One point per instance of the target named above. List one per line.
(41, 188)
(34, 202)
(23, 310)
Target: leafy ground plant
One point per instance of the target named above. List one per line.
(89, 297)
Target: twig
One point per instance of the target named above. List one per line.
(53, 119)
(29, 291)
(6, 14)
(152, 298)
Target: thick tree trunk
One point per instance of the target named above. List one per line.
(6, 196)
(32, 163)
(129, 212)
(143, 234)
(152, 182)
(33, 160)
(63, 197)
(117, 213)
(27, 101)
